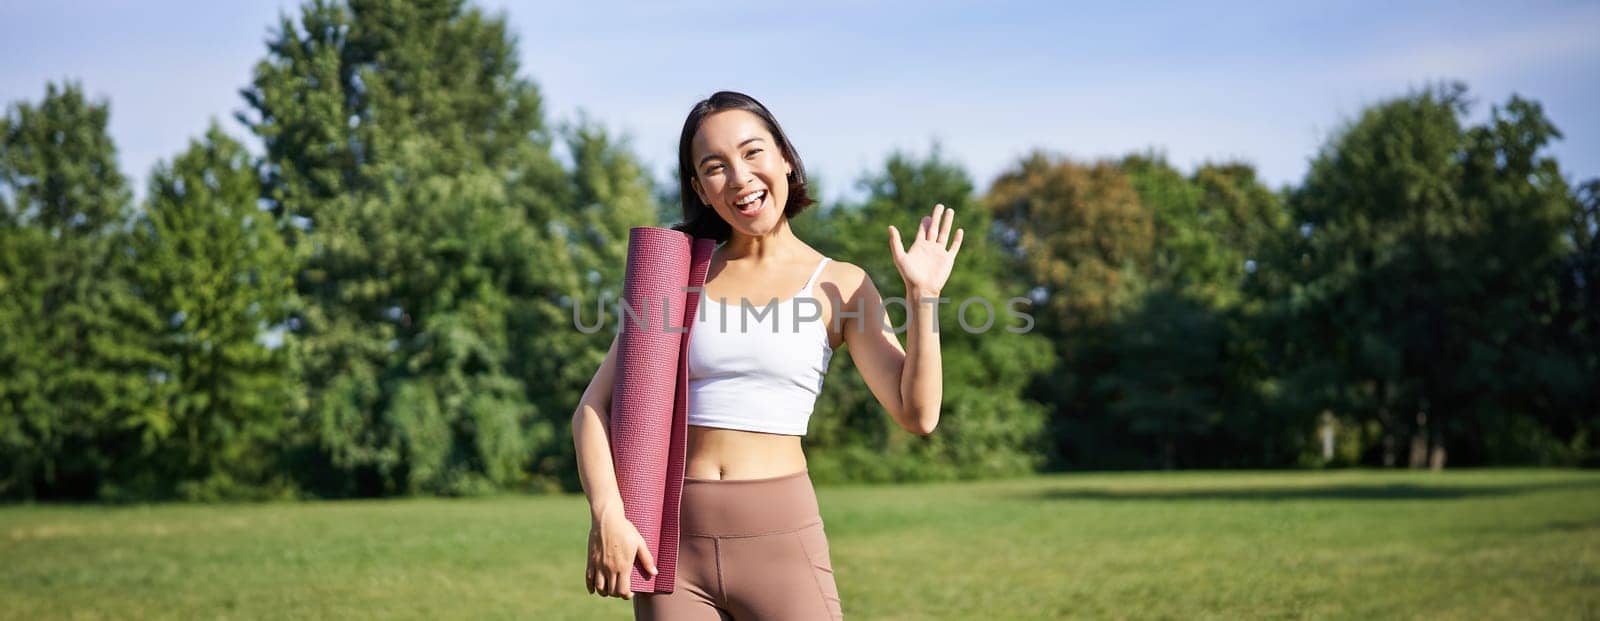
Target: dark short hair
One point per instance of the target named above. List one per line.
(699, 219)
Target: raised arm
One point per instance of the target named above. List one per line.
(909, 385)
(908, 382)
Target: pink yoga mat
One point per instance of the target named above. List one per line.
(649, 418)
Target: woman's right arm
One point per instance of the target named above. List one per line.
(613, 541)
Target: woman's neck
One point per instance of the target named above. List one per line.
(780, 245)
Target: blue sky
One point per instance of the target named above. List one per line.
(1262, 82)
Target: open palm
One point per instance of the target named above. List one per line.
(927, 264)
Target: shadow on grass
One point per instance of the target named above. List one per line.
(1572, 526)
(1349, 491)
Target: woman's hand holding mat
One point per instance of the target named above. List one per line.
(614, 544)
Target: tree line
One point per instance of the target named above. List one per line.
(383, 301)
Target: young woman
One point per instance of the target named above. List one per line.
(752, 544)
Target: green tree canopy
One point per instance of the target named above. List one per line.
(1431, 244)
(75, 342)
(213, 266)
(411, 163)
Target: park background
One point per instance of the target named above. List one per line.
(335, 250)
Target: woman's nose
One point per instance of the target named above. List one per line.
(742, 174)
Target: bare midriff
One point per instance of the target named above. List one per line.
(714, 453)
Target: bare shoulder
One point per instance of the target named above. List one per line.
(855, 291)
(839, 286)
(848, 278)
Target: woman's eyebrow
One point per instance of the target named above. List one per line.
(712, 156)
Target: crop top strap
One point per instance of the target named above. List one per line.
(815, 274)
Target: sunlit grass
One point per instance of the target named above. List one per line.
(1486, 544)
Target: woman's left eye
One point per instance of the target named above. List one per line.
(752, 152)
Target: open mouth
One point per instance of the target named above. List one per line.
(757, 202)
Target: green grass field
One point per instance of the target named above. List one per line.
(1508, 544)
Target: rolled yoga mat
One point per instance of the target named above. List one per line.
(649, 418)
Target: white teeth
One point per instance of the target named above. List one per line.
(752, 198)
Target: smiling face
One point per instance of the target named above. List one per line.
(740, 171)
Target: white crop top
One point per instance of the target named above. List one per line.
(756, 366)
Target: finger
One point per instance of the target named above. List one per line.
(588, 579)
(895, 243)
(956, 246)
(649, 561)
(600, 584)
(926, 232)
(627, 586)
(944, 227)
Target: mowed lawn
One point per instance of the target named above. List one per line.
(1506, 544)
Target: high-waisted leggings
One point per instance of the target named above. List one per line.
(748, 549)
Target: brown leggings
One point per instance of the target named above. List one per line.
(748, 549)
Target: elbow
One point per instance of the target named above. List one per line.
(921, 424)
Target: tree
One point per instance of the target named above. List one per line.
(1168, 378)
(1147, 275)
(1573, 397)
(1429, 245)
(1083, 240)
(214, 267)
(74, 340)
(1080, 232)
(1527, 389)
(410, 167)
(1181, 367)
